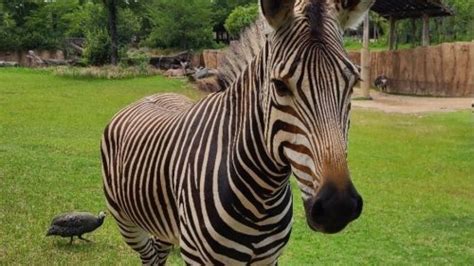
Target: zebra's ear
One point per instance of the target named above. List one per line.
(277, 12)
(350, 13)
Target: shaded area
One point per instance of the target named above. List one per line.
(401, 9)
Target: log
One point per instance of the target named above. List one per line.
(58, 62)
(201, 73)
(38, 61)
(76, 44)
(8, 64)
(77, 48)
(171, 61)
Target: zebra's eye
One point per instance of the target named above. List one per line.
(281, 88)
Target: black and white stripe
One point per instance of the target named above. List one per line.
(213, 177)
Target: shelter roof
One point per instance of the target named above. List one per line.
(401, 9)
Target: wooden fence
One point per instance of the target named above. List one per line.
(445, 70)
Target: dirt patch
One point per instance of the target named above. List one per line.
(410, 104)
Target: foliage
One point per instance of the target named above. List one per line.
(414, 172)
(90, 22)
(86, 17)
(221, 9)
(33, 24)
(180, 23)
(459, 27)
(240, 18)
(380, 44)
(139, 58)
(9, 40)
(97, 51)
(46, 27)
(128, 26)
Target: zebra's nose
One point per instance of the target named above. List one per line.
(332, 209)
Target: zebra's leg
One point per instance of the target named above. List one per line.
(151, 250)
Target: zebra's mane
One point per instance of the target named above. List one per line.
(240, 53)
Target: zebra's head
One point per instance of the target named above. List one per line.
(306, 102)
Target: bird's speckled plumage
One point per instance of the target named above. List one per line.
(75, 224)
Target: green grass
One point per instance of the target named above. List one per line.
(354, 45)
(415, 173)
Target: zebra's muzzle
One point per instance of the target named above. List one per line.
(332, 209)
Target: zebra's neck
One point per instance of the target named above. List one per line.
(254, 162)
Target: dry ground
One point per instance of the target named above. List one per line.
(410, 104)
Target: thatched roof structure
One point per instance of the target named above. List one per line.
(401, 9)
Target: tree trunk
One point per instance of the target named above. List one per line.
(426, 30)
(413, 33)
(111, 6)
(392, 37)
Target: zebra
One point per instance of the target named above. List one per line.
(212, 177)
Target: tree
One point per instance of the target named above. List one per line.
(33, 24)
(221, 9)
(111, 6)
(459, 27)
(180, 23)
(241, 18)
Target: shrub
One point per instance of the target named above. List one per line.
(138, 58)
(9, 40)
(240, 18)
(97, 51)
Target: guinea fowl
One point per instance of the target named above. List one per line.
(75, 224)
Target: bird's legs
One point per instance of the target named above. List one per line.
(81, 238)
(70, 242)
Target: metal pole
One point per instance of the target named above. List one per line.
(365, 61)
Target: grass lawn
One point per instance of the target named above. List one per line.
(414, 172)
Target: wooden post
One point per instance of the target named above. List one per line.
(393, 33)
(426, 30)
(365, 61)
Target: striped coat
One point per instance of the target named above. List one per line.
(213, 177)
